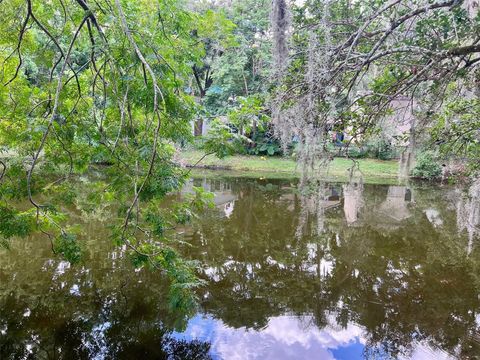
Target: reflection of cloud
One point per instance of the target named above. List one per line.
(285, 337)
(212, 274)
(423, 351)
(433, 216)
(270, 261)
(326, 267)
(75, 290)
(62, 267)
(228, 208)
(100, 343)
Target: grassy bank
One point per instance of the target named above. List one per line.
(374, 171)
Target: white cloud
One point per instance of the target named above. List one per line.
(285, 337)
(425, 352)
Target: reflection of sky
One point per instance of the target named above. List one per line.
(289, 337)
(285, 337)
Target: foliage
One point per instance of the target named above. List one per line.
(68, 246)
(264, 143)
(385, 151)
(380, 148)
(243, 69)
(348, 65)
(104, 82)
(250, 114)
(376, 147)
(250, 118)
(221, 140)
(456, 131)
(427, 166)
(233, 78)
(15, 223)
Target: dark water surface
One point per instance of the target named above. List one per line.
(390, 276)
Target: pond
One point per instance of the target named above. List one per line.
(392, 273)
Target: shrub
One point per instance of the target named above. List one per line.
(381, 149)
(376, 148)
(385, 151)
(357, 152)
(426, 166)
(264, 143)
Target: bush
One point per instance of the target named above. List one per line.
(264, 143)
(381, 149)
(385, 151)
(356, 152)
(426, 166)
(376, 148)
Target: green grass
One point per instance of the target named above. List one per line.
(374, 171)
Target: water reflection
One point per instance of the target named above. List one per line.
(102, 309)
(395, 205)
(290, 337)
(468, 212)
(353, 201)
(397, 284)
(284, 337)
(397, 275)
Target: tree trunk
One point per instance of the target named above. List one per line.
(198, 127)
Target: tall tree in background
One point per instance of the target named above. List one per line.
(215, 33)
(348, 61)
(238, 68)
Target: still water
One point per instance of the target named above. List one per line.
(394, 272)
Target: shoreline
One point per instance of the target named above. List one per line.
(373, 170)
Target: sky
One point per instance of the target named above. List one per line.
(288, 337)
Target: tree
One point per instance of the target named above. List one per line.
(349, 60)
(215, 33)
(234, 70)
(98, 83)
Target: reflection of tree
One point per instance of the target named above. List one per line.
(353, 201)
(411, 284)
(52, 312)
(402, 281)
(395, 205)
(468, 212)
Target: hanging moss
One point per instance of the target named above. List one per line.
(280, 20)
